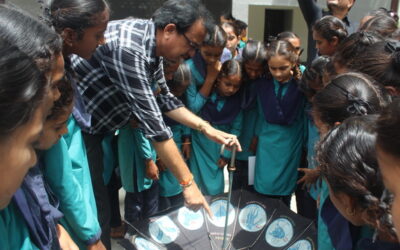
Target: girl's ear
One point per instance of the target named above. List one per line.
(392, 91)
(69, 36)
(170, 29)
(334, 42)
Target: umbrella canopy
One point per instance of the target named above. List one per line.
(254, 222)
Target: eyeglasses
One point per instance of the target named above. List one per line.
(191, 43)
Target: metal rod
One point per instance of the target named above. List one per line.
(231, 169)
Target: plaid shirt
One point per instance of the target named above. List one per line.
(117, 82)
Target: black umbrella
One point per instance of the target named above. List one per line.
(254, 222)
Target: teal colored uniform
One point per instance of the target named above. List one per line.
(67, 172)
(248, 128)
(133, 150)
(324, 240)
(14, 233)
(109, 157)
(205, 153)
(312, 140)
(169, 185)
(193, 97)
(278, 152)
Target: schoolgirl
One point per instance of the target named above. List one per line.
(232, 50)
(388, 155)
(24, 91)
(328, 32)
(81, 25)
(254, 63)
(205, 66)
(350, 94)
(354, 180)
(280, 125)
(223, 110)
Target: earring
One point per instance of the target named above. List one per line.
(350, 212)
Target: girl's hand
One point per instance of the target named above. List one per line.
(161, 166)
(222, 162)
(253, 145)
(151, 170)
(186, 149)
(310, 176)
(66, 243)
(213, 70)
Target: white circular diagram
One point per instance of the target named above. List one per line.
(143, 244)
(279, 232)
(189, 219)
(163, 230)
(218, 209)
(301, 245)
(252, 218)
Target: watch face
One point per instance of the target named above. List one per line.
(143, 244)
(189, 219)
(163, 230)
(218, 208)
(279, 232)
(252, 218)
(301, 245)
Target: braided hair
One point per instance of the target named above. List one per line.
(356, 172)
(285, 49)
(329, 27)
(347, 95)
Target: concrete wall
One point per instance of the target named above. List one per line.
(256, 22)
(253, 12)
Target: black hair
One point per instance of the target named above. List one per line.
(285, 49)
(381, 61)
(215, 38)
(22, 88)
(312, 79)
(229, 68)
(353, 46)
(74, 14)
(347, 95)
(228, 16)
(182, 75)
(286, 35)
(388, 129)
(383, 11)
(233, 27)
(182, 13)
(240, 25)
(381, 24)
(356, 172)
(66, 99)
(30, 36)
(254, 51)
(329, 27)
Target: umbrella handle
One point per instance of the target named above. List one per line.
(232, 165)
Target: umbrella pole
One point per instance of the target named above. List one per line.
(231, 169)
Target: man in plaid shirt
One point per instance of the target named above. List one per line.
(117, 84)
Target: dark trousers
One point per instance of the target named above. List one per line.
(241, 176)
(306, 205)
(284, 198)
(113, 187)
(95, 158)
(141, 205)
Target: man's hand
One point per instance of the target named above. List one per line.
(151, 170)
(96, 246)
(66, 243)
(221, 137)
(194, 200)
